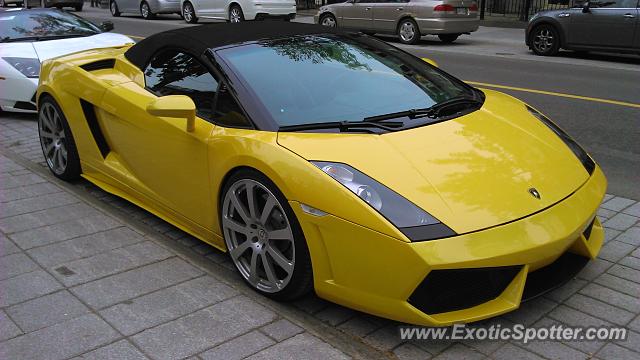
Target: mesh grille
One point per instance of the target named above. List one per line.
(450, 290)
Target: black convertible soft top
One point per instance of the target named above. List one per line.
(197, 39)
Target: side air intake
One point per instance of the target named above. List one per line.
(92, 121)
(99, 65)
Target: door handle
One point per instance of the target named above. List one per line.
(367, 9)
(400, 9)
(564, 15)
(629, 16)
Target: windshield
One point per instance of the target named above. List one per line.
(324, 78)
(42, 24)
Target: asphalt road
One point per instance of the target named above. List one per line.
(611, 133)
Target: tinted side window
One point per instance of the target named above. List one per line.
(614, 4)
(175, 73)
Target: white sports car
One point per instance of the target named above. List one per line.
(30, 36)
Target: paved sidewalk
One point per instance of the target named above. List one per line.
(85, 274)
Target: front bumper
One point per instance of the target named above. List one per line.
(18, 94)
(372, 272)
(447, 25)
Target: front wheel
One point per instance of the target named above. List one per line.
(235, 14)
(545, 40)
(263, 237)
(188, 13)
(328, 20)
(56, 140)
(448, 38)
(145, 11)
(408, 32)
(113, 8)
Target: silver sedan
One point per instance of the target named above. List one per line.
(409, 19)
(146, 8)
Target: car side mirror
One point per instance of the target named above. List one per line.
(106, 26)
(174, 106)
(586, 8)
(430, 62)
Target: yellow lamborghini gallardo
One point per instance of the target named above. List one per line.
(330, 161)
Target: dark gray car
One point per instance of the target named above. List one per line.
(610, 25)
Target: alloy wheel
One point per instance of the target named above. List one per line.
(258, 235)
(187, 12)
(234, 15)
(329, 21)
(407, 31)
(52, 138)
(543, 41)
(144, 10)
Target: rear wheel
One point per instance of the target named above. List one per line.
(145, 11)
(113, 8)
(263, 237)
(545, 40)
(235, 14)
(78, 7)
(448, 38)
(56, 140)
(328, 20)
(408, 31)
(188, 13)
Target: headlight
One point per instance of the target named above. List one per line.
(582, 155)
(412, 221)
(27, 66)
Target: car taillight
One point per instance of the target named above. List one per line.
(473, 7)
(444, 8)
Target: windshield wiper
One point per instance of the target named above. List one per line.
(432, 111)
(345, 126)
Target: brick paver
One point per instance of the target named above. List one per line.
(87, 275)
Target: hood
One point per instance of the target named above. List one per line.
(54, 48)
(471, 173)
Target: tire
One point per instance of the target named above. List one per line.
(448, 38)
(250, 243)
(408, 31)
(189, 13)
(545, 40)
(113, 8)
(328, 20)
(56, 139)
(235, 14)
(2, 4)
(78, 8)
(145, 11)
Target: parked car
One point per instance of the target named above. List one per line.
(30, 36)
(148, 9)
(610, 25)
(76, 4)
(238, 10)
(329, 160)
(4, 3)
(409, 19)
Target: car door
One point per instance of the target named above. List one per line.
(387, 13)
(605, 23)
(207, 8)
(156, 156)
(357, 14)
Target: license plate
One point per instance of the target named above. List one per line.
(461, 11)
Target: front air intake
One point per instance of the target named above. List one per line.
(449, 290)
